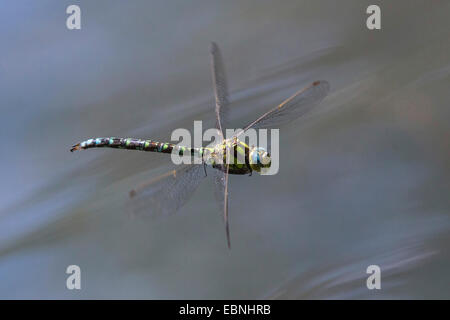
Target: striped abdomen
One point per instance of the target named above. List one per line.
(136, 144)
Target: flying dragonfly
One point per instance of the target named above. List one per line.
(168, 193)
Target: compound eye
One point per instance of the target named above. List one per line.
(255, 157)
(265, 159)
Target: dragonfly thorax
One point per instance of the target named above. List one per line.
(241, 158)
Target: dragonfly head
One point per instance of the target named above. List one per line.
(259, 158)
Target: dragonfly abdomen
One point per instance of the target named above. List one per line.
(135, 144)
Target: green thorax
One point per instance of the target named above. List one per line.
(240, 157)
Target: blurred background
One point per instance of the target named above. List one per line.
(364, 179)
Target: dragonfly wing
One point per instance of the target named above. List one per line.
(292, 108)
(225, 208)
(164, 195)
(221, 192)
(220, 88)
(219, 186)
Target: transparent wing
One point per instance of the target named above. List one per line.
(221, 192)
(225, 207)
(220, 178)
(220, 88)
(164, 195)
(219, 187)
(221, 95)
(292, 108)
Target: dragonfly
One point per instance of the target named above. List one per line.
(166, 194)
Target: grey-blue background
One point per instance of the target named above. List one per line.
(363, 180)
